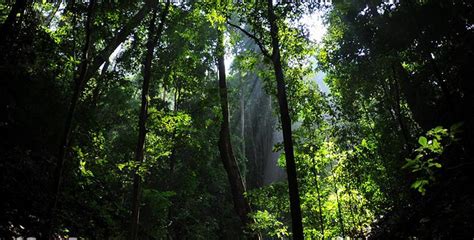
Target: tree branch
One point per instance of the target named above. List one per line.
(120, 37)
(252, 36)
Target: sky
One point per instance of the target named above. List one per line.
(316, 28)
(314, 23)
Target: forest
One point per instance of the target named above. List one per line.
(236, 119)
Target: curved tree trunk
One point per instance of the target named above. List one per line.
(237, 186)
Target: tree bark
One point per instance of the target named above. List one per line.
(422, 112)
(86, 69)
(242, 116)
(100, 83)
(79, 82)
(119, 38)
(392, 96)
(140, 150)
(237, 186)
(286, 127)
(398, 111)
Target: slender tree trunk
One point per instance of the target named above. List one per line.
(79, 82)
(172, 161)
(237, 186)
(395, 85)
(242, 115)
(286, 127)
(120, 37)
(393, 105)
(140, 150)
(100, 83)
(85, 72)
(403, 127)
(174, 232)
(423, 113)
(316, 183)
(351, 210)
(359, 227)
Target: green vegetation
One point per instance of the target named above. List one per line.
(164, 120)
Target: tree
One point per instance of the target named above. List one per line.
(286, 126)
(87, 68)
(154, 36)
(403, 83)
(275, 58)
(241, 205)
(79, 82)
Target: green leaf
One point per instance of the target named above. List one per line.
(409, 163)
(84, 171)
(436, 165)
(423, 141)
(121, 166)
(419, 184)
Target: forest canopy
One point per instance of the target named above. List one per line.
(208, 119)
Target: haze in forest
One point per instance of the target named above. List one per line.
(236, 120)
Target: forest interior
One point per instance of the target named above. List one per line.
(236, 119)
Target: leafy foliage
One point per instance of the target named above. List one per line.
(396, 121)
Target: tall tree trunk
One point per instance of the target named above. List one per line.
(403, 127)
(175, 228)
(86, 69)
(423, 113)
(140, 150)
(79, 82)
(237, 186)
(242, 115)
(352, 216)
(358, 225)
(286, 127)
(120, 37)
(100, 83)
(391, 93)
